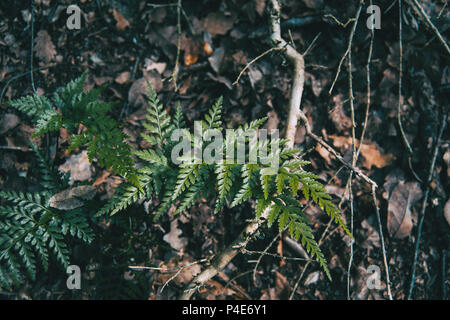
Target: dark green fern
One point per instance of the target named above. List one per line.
(230, 183)
(86, 118)
(32, 231)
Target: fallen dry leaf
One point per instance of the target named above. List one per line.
(102, 179)
(122, 23)
(282, 286)
(324, 153)
(272, 121)
(312, 278)
(207, 48)
(217, 23)
(372, 154)
(79, 167)
(8, 122)
(123, 77)
(216, 59)
(340, 120)
(152, 65)
(44, 47)
(190, 59)
(137, 95)
(70, 198)
(173, 237)
(403, 197)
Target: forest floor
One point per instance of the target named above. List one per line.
(123, 44)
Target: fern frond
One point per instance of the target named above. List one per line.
(158, 121)
(127, 194)
(189, 199)
(187, 176)
(152, 156)
(30, 230)
(51, 179)
(49, 120)
(245, 192)
(31, 105)
(213, 119)
(178, 118)
(224, 182)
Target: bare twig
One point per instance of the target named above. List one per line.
(177, 269)
(311, 45)
(354, 156)
(255, 269)
(399, 106)
(380, 230)
(424, 205)
(299, 73)
(265, 253)
(17, 77)
(253, 61)
(177, 60)
(444, 273)
(368, 80)
(432, 26)
(32, 48)
(318, 139)
(343, 25)
(15, 149)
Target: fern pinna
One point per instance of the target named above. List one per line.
(184, 183)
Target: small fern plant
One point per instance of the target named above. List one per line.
(32, 231)
(86, 118)
(182, 184)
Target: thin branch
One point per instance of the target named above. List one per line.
(177, 269)
(17, 77)
(424, 205)
(399, 106)
(15, 149)
(255, 269)
(32, 48)
(354, 157)
(318, 139)
(432, 26)
(177, 60)
(311, 45)
(253, 61)
(383, 249)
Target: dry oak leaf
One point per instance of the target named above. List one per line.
(372, 154)
(123, 77)
(7, 122)
(402, 199)
(341, 121)
(79, 166)
(122, 23)
(44, 47)
(217, 23)
(70, 198)
(174, 236)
